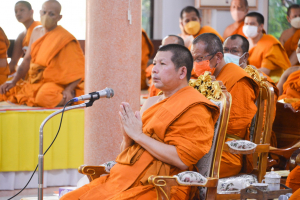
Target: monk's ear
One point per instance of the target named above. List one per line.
(220, 56)
(246, 56)
(182, 72)
(31, 12)
(288, 19)
(59, 17)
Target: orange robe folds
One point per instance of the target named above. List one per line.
(242, 111)
(291, 89)
(26, 39)
(147, 51)
(4, 44)
(270, 54)
(292, 43)
(239, 30)
(173, 121)
(293, 179)
(208, 29)
(56, 61)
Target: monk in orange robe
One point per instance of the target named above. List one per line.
(4, 68)
(54, 62)
(170, 39)
(293, 179)
(290, 37)
(266, 52)
(24, 15)
(147, 51)
(191, 22)
(291, 87)
(235, 50)
(170, 137)
(238, 10)
(296, 195)
(207, 51)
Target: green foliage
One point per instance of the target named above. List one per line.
(146, 13)
(277, 16)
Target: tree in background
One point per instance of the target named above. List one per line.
(277, 16)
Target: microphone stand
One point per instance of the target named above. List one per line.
(41, 154)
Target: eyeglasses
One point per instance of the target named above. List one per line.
(201, 58)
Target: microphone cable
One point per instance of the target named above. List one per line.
(62, 115)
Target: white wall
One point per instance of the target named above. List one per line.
(166, 16)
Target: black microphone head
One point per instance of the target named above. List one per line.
(109, 92)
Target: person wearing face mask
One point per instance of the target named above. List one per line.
(266, 52)
(207, 51)
(236, 49)
(238, 10)
(54, 62)
(4, 67)
(24, 15)
(190, 21)
(289, 38)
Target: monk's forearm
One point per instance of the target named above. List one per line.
(265, 70)
(163, 152)
(72, 85)
(127, 142)
(22, 71)
(294, 59)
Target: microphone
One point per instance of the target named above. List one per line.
(106, 93)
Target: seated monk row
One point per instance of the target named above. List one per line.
(54, 62)
(207, 51)
(161, 139)
(236, 49)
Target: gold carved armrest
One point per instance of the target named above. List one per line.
(164, 184)
(92, 172)
(260, 148)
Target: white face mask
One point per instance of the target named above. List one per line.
(295, 22)
(230, 58)
(298, 56)
(250, 31)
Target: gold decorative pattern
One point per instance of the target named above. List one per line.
(253, 73)
(204, 84)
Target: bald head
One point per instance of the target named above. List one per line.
(172, 39)
(243, 3)
(53, 4)
(212, 42)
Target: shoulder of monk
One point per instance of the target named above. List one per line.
(269, 40)
(63, 32)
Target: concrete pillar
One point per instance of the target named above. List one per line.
(113, 59)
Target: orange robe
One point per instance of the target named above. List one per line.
(291, 89)
(56, 61)
(208, 29)
(242, 111)
(296, 195)
(147, 51)
(239, 30)
(26, 39)
(293, 179)
(292, 43)
(173, 121)
(4, 44)
(270, 54)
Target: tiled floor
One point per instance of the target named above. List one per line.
(5, 194)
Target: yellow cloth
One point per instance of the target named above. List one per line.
(208, 29)
(19, 137)
(270, 54)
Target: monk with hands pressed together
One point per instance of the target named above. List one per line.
(169, 135)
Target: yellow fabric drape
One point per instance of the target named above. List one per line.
(19, 140)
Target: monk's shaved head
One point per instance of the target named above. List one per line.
(54, 4)
(244, 43)
(245, 2)
(212, 42)
(172, 39)
(25, 3)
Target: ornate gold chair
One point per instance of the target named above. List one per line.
(208, 166)
(260, 134)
